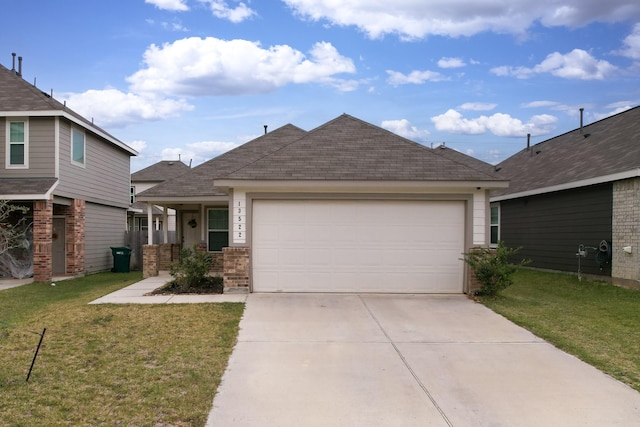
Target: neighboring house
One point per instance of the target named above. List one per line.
(145, 179)
(346, 207)
(73, 176)
(579, 188)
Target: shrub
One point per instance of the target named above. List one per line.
(192, 270)
(492, 268)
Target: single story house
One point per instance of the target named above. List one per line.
(345, 207)
(573, 202)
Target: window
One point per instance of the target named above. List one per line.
(17, 144)
(77, 147)
(495, 225)
(132, 194)
(218, 229)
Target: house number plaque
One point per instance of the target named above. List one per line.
(239, 218)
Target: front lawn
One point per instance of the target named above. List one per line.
(597, 322)
(109, 364)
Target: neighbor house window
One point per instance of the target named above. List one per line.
(132, 194)
(77, 147)
(17, 144)
(495, 224)
(218, 229)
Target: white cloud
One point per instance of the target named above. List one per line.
(617, 108)
(577, 64)
(631, 43)
(412, 19)
(451, 63)
(478, 106)
(138, 145)
(113, 108)
(210, 67)
(177, 5)
(540, 104)
(498, 124)
(396, 78)
(221, 9)
(197, 152)
(403, 128)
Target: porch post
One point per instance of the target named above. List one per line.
(149, 224)
(165, 220)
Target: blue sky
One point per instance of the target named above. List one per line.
(196, 78)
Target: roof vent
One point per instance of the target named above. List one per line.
(265, 129)
(581, 118)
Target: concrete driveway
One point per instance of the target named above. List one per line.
(405, 360)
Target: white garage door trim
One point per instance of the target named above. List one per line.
(358, 246)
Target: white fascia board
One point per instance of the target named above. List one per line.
(633, 173)
(164, 200)
(60, 113)
(359, 186)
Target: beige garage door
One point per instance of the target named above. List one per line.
(357, 246)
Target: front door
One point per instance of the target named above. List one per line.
(59, 255)
(190, 229)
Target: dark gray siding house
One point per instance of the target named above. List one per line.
(577, 193)
(73, 176)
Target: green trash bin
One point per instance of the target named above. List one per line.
(121, 259)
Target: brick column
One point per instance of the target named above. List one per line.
(75, 250)
(236, 269)
(150, 258)
(42, 240)
(625, 267)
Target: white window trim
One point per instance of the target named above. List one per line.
(215, 229)
(491, 224)
(84, 141)
(8, 122)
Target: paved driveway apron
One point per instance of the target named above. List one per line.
(405, 360)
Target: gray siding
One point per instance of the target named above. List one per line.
(105, 177)
(41, 149)
(550, 227)
(104, 228)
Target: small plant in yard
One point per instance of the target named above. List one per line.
(492, 267)
(191, 274)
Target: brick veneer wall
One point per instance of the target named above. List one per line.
(168, 253)
(625, 270)
(42, 240)
(150, 256)
(75, 250)
(217, 258)
(236, 269)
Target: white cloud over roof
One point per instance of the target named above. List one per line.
(211, 66)
(404, 128)
(114, 108)
(498, 124)
(577, 64)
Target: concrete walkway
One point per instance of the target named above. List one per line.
(405, 360)
(135, 294)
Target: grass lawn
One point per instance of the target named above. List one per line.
(142, 365)
(597, 322)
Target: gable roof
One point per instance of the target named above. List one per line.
(198, 181)
(348, 148)
(20, 98)
(603, 151)
(161, 171)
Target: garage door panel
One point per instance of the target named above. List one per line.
(357, 246)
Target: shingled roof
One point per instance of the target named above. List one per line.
(345, 148)
(598, 152)
(198, 182)
(26, 188)
(161, 171)
(18, 95)
(348, 148)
